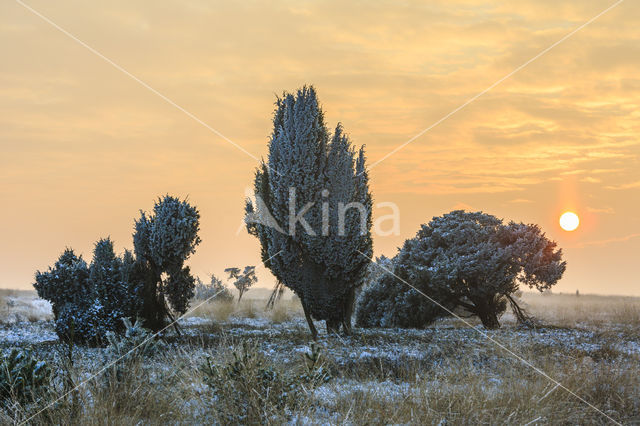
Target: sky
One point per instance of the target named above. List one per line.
(146, 98)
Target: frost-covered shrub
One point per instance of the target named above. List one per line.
(214, 291)
(387, 302)
(163, 241)
(317, 253)
(23, 378)
(469, 261)
(117, 292)
(90, 301)
(68, 282)
(72, 293)
(88, 323)
(135, 340)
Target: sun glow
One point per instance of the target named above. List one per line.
(569, 221)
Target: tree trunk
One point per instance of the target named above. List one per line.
(276, 294)
(312, 327)
(489, 318)
(348, 311)
(521, 315)
(152, 309)
(333, 326)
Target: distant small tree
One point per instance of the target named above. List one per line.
(163, 241)
(243, 280)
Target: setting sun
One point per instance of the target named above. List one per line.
(569, 221)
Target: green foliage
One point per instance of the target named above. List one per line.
(23, 378)
(125, 352)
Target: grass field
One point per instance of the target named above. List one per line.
(580, 365)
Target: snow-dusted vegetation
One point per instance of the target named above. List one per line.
(240, 363)
(137, 339)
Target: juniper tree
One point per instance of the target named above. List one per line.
(67, 286)
(163, 241)
(312, 210)
(388, 302)
(465, 260)
(90, 301)
(242, 280)
(110, 279)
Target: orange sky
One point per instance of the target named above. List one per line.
(84, 146)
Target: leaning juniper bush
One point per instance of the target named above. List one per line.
(461, 260)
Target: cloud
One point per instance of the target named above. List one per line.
(520, 201)
(604, 210)
(629, 185)
(590, 179)
(607, 242)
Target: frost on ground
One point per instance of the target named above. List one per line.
(447, 372)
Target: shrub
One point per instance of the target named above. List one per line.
(23, 378)
(469, 261)
(90, 301)
(250, 389)
(67, 282)
(214, 291)
(387, 302)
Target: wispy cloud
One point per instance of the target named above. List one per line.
(608, 241)
(603, 210)
(629, 185)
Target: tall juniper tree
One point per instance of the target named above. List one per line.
(312, 210)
